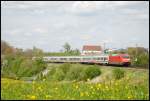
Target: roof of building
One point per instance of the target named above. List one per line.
(92, 48)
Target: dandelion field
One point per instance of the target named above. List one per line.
(133, 86)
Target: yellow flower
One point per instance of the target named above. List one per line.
(88, 79)
(99, 85)
(48, 96)
(91, 87)
(56, 88)
(33, 97)
(33, 82)
(116, 83)
(127, 78)
(106, 87)
(87, 93)
(129, 97)
(39, 88)
(76, 87)
(81, 94)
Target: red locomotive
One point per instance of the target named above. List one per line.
(119, 59)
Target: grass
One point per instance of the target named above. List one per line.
(134, 85)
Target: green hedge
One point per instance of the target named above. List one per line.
(92, 72)
(118, 73)
(17, 67)
(73, 72)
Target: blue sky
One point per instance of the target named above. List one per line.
(49, 24)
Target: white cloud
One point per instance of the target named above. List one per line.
(92, 6)
(40, 42)
(107, 41)
(143, 16)
(86, 37)
(136, 13)
(40, 30)
(59, 25)
(38, 11)
(15, 32)
(65, 38)
(28, 34)
(29, 4)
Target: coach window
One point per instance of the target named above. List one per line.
(101, 58)
(84, 58)
(88, 59)
(98, 58)
(105, 59)
(94, 58)
(71, 59)
(61, 58)
(76, 58)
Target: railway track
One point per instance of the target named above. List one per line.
(107, 66)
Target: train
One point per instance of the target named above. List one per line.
(114, 59)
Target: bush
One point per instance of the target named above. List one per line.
(11, 67)
(74, 73)
(65, 67)
(91, 72)
(50, 74)
(118, 73)
(17, 67)
(142, 60)
(25, 68)
(30, 68)
(58, 75)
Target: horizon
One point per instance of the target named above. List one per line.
(77, 48)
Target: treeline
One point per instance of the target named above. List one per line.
(7, 49)
(67, 51)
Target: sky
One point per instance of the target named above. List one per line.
(49, 24)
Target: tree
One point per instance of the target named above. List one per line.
(67, 47)
(76, 52)
(28, 53)
(6, 48)
(37, 51)
(139, 56)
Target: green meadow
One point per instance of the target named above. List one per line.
(133, 84)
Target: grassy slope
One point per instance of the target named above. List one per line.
(133, 86)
